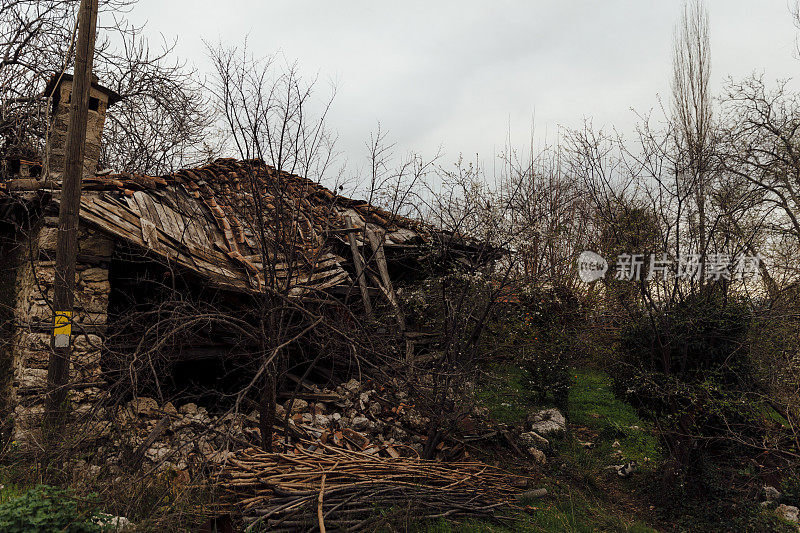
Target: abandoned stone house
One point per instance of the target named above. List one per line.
(191, 222)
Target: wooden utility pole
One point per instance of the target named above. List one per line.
(67, 245)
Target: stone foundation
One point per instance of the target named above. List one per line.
(33, 322)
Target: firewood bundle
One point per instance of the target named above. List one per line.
(345, 490)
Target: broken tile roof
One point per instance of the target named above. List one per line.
(204, 218)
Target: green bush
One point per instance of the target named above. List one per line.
(694, 339)
(548, 361)
(703, 414)
(774, 347)
(538, 333)
(691, 369)
(690, 366)
(790, 489)
(47, 509)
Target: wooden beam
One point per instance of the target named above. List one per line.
(380, 258)
(377, 244)
(358, 261)
(138, 455)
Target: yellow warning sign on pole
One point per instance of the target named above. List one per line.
(62, 328)
(63, 324)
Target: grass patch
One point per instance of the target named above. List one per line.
(571, 512)
(574, 504)
(15, 481)
(592, 404)
(506, 393)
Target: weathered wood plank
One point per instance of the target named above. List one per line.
(152, 209)
(358, 262)
(380, 259)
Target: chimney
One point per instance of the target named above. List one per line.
(100, 99)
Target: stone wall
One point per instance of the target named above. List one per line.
(10, 250)
(33, 319)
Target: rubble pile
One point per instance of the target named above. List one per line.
(354, 416)
(363, 417)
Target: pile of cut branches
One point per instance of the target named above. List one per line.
(349, 490)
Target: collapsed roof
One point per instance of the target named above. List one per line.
(203, 219)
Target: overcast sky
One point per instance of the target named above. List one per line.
(458, 74)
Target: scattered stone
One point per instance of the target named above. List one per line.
(297, 405)
(414, 420)
(374, 409)
(548, 423)
(771, 493)
(184, 444)
(627, 470)
(188, 409)
(531, 439)
(144, 406)
(157, 453)
(205, 448)
(788, 512)
(538, 456)
(359, 423)
(202, 416)
(535, 493)
(397, 433)
(112, 523)
(623, 471)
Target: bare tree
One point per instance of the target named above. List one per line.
(268, 116)
(160, 125)
(760, 156)
(692, 109)
(164, 121)
(549, 214)
(395, 183)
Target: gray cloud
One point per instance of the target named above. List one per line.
(458, 73)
